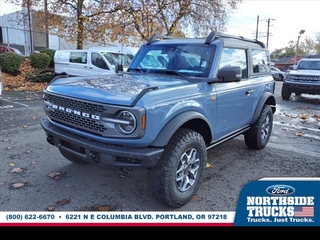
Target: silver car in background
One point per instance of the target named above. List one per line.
(281, 74)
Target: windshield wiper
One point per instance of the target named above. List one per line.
(171, 72)
(136, 69)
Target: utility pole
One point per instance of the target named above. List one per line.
(46, 22)
(269, 19)
(257, 30)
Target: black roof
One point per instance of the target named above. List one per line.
(207, 40)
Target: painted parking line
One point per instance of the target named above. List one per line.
(12, 102)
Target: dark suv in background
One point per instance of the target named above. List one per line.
(304, 78)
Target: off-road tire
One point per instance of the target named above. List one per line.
(285, 93)
(259, 134)
(72, 158)
(167, 178)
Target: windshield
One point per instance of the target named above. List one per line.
(184, 59)
(309, 65)
(114, 57)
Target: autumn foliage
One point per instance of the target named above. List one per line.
(18, 82)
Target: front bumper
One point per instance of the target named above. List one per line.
(105, 155)
(302, 87)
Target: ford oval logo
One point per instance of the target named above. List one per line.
(280, 190)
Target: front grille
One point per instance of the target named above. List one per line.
(77, 121)
(305, 78)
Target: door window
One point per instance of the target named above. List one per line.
(98, 61)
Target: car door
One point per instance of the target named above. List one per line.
(234, 99)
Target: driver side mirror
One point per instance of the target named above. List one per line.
(118, 67)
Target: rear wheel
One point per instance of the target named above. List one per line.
(176, 177)
(258, 136)
(285, 93)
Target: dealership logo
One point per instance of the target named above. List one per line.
(280, 206)
(280, 190)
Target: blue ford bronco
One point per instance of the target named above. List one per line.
(178, 98)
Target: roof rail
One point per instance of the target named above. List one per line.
(156, 36)
(214, 35)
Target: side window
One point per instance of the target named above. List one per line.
(235, 57)
(260, 60)
(78, 57)
(98, 61)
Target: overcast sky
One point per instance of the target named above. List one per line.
(287, 18)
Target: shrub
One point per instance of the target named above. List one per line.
(40, 76)
(51, 53)
(40, 60)
(10, 62)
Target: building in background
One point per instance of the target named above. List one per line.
(18, 30)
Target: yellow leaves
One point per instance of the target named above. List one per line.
(299, 133)
(208, 165)
(12, 164)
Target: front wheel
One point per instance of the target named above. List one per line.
(176, 177)
(258, 136)
(285, 93)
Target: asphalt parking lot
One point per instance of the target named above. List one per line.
(35, 177)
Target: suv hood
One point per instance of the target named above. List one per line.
(305, 72)
(120, 89)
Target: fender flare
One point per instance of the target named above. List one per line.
(266, 98)
(173, 125)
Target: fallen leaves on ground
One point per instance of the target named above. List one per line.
(195, 198)
(208, 165)
(18, 185)
(19, 82)
(64, 201)
(16, 170)
(299, 133)
(54, 175)
(106, 208)
(51, 208)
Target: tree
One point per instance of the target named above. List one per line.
(180, 18)
(289, 50)
(310, 46)
(129, 21)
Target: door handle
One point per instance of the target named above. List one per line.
(249, 92)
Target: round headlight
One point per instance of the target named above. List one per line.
(126, 122)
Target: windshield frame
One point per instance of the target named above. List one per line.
(185, 59)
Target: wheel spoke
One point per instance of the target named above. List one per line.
(265, 128)
(187, 169)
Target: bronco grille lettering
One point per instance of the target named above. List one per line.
(75, 112)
